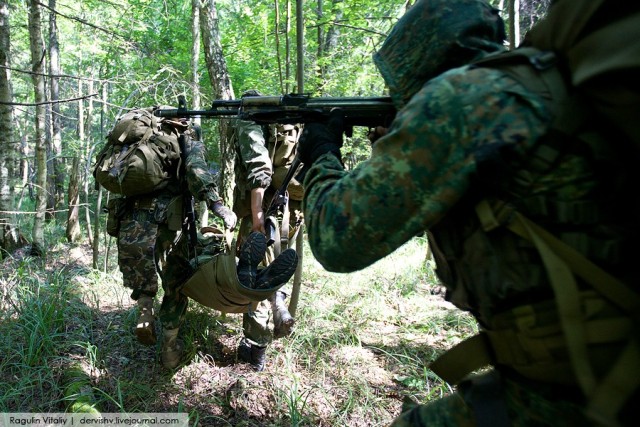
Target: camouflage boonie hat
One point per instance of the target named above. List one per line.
(435, 36)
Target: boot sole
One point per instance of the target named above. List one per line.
(257, 244)
(248, 260)
(279, 271)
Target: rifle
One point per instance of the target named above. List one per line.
(189, 202)
(294, 109)
(278, 203)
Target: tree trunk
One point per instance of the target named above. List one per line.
(195, 58)
(201, 208)
(73, 223)
(514, 23)
(222, 89)
(73, 217)
(95, 246)
(300, 46)
(56, 166)
(329, 44)
(277, 35)
(37, 66)
(8, 146)
(287, 55)
(320, 41)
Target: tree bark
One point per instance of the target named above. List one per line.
(95, 245)
(73, 217)
(73, 220)
(55, 164)
(514, 23)
(300, 46)
(195, 58)
(320, 42)
(277, 40)
(287, 57)
(37, 67)
(8, 146)
(222, 89)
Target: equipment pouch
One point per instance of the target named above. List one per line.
(115, 209)
(175, 214)
(160, 210)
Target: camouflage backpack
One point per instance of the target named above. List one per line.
(584, 53)
(141, 154)
(282, 148)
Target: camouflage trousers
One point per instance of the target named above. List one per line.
(488, 400)
(146, 249)
(136, 252)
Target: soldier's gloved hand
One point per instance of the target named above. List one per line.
(320, 138)
(224, 213)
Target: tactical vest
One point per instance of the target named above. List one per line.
(282, 145)
(582, 329)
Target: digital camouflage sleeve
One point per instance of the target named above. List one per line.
(420, 170)
(254, 155)
(200, 180)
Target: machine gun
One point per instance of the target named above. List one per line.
(294, 109)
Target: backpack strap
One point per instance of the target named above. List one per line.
(563, 263)
(530, 349)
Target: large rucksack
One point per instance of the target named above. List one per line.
(141, 155)
(585, 52)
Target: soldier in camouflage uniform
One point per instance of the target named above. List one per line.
(253, 172)
(150, 241)
(464, 138)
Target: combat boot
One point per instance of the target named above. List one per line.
(250, 255)
(146, 326)
(171, 348)
(279, 271)
(282, 320)
(254, 355)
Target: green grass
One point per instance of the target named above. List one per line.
(361, 345)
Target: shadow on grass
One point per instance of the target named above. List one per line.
(49, 325)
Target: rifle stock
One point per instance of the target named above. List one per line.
(295, 108)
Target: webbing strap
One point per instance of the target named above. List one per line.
(560, 261)
(284, 233)
(568, 302)
(463, 358)
(607, 285)
(613, 391)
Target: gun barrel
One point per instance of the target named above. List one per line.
(177, 112)
(295, 108)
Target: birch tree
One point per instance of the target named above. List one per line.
(37, 67)
(222, 89)
(7, 143)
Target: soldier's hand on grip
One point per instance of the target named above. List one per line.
(320, 138)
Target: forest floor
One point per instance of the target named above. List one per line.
(359, 347)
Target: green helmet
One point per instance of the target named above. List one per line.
(435, 36)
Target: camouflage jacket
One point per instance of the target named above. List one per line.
(423, 170)
(199, 178)
(253, 168)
